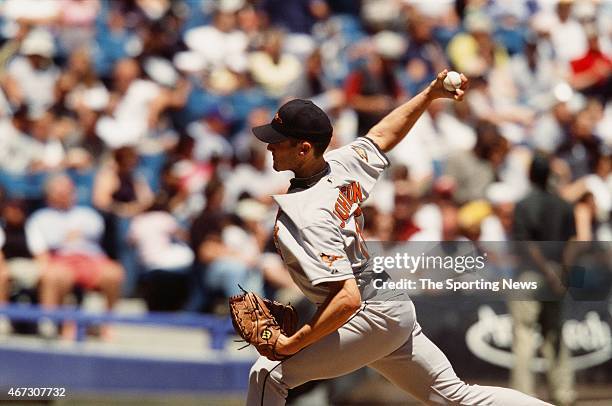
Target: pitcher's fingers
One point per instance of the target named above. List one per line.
(459, 94)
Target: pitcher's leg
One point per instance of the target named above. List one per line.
(421, 369)
(274, 394)
(368, 336)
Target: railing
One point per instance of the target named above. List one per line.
(219, 328)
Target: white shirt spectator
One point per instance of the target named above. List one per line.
(152, 233)
(208, 143)
(129, 122)
(30, 9)
(275, 78)
(231, 45)
(245, 178)
(534, 86)
(568, 39)
(240, 241)
(491, 229)
(37, 85)
(74, 231)
(429, 141)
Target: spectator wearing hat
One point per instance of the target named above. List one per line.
(32, 75)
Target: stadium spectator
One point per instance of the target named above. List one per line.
(592, 71)
(16, 143)
(32, 75)
(475, 51)
(119, 189)
(474, 170)
(23, 269)
(424, 55)
(542, 216)
(272, 67)
(552, 127)
(373, 90)
(534, 75)
(120, 192)
(498, 225)
(158, 239)
(65, 238)
(223, 30)
(567, 34)
(226, 254)
(77, 19)
(297, 16)
(581, 149)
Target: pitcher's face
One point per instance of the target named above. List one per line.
(285, 155)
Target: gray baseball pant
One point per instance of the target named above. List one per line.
(386, 337)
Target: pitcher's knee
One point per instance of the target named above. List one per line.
(460, 393)
(268, 373)
(257, 374)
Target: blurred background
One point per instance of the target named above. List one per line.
(130, 181)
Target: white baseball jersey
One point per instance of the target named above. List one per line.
(318, 229)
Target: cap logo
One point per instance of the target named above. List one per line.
(278, 119)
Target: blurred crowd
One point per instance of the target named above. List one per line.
(128, 166)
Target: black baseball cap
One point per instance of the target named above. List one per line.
(297, 119)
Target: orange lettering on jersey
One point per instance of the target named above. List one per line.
(347, 196)
(356, 193)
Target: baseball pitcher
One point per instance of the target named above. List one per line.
(318, 234)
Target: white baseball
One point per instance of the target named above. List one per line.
(452, 81)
